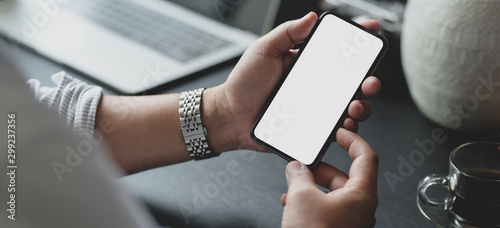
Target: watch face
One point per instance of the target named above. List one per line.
(299, 120)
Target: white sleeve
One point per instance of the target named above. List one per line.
(75, 101)
(52, 177)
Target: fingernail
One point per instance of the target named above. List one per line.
(294, 167)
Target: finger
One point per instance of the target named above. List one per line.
(351, 125)
(287, 35)
(359, 110)
(372, 25)
(329, 177)
(283, 200)
(298, 176)
(370, 87)
(363, 172)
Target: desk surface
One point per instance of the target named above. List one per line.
(243, 188)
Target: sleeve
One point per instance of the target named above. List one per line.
(75, 101)
(56, 178)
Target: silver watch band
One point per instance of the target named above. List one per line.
(195, 134)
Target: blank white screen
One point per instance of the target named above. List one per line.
(318, 89)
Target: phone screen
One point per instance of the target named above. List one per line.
(306, 108)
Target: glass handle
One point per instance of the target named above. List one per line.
(428, 181)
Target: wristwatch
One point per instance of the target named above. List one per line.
(195, 134)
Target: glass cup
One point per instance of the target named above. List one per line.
(473, 184)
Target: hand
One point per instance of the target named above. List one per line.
(152, 134)
(240, 99)
(352, 199)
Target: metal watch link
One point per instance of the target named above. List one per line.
(195, 134)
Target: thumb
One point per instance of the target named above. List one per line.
(298, 176)
(288, 34)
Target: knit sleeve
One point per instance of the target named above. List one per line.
(74, 101)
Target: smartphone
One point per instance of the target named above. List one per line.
(310, 102)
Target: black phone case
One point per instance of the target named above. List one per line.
(331, 137)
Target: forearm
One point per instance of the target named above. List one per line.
(144, 132)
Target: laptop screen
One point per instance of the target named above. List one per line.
(256, 16)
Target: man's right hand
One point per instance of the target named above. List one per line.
(352, 199)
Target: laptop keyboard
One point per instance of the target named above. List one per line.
(157, 31)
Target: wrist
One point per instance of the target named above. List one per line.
(217, 119)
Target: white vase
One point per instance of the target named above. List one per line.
(450, 52)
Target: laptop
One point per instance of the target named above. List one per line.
(134, 46)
